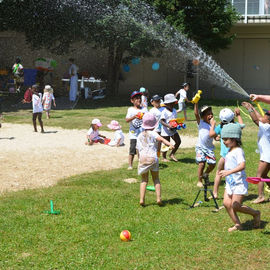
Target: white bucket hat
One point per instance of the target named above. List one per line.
(48, 87)
(96, 122)
(226, 115)
(169, 98)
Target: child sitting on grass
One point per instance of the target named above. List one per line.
(93, 135)
(134, 118)
(264, 146)
(226, 116)
(204, 147)
(147, 145)
(167, 131)
(119, 138)
(234, 171)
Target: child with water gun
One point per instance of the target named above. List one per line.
(167, 130)
(204, 147)
(263, 122)
(134, 118)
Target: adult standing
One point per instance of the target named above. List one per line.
(17, 71)
(73, 73)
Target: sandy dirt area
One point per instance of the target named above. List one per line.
(30, 160)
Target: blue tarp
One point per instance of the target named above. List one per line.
(29, 76)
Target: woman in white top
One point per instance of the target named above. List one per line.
(73, 70)
(37, 109)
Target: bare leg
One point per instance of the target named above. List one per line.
(263, 169)
(177, 141)
(40, 122)
(200, 173)
(130, 161)
(155, 177)
(143, 188)
(164, 154)
(185, 115)
(238, 207)
(228, 203)
(220, 167)
(35, 121)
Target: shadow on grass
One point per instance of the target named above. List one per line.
(266, 232)
(249, 225)
(250, 197)
(162, 166)
(187, 160)
(167, 202)
(7, 138)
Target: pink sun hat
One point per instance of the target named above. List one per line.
(96, 122)
(149, 121)
(114, 125)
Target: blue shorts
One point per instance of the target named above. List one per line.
(205, 155)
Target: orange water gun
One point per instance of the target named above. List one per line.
(139, 115)
(177, 123)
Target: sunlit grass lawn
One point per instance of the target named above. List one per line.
(96, 207)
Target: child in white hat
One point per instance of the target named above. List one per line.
(93, 135)
(234, 172)
(47, 100)
(119, 137)
(167, 131)
(147, 146)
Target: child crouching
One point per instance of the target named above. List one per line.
(234, 172)
(147, 145)
(93, 135)
(119, 138)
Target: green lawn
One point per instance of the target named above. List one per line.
(96, 207)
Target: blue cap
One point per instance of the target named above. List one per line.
(135, 93)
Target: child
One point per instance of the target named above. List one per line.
(144, 101)
(226, 116)
(93, 135)
(204, 147)
(47, 99)
(147, 145)
(234, 171)
(155, 101)
(37, 109)
(263, 144)
(134, 118)
(182, 98)
(119, 138)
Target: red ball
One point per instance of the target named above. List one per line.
(125, 236)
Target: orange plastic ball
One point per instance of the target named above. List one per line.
(125, 236)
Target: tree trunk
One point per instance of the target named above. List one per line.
(114, 62)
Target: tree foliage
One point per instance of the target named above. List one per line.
(207, 22)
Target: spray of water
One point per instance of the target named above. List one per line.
(125, 13)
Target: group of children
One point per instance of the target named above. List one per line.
(148, 129)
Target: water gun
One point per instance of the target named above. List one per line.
(177, 123)
(139, 115)
(259, 107)
(197, 97)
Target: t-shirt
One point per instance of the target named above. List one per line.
(204, 140)
(157, 113)
(17, 69)
(144, 102)
(118, 134)
(183, 95)
(37, 103)
(223, 149)
(135, 126)
(147, 144)
(94, 134)
(232, 160)
(166, 116)
(264, 141)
